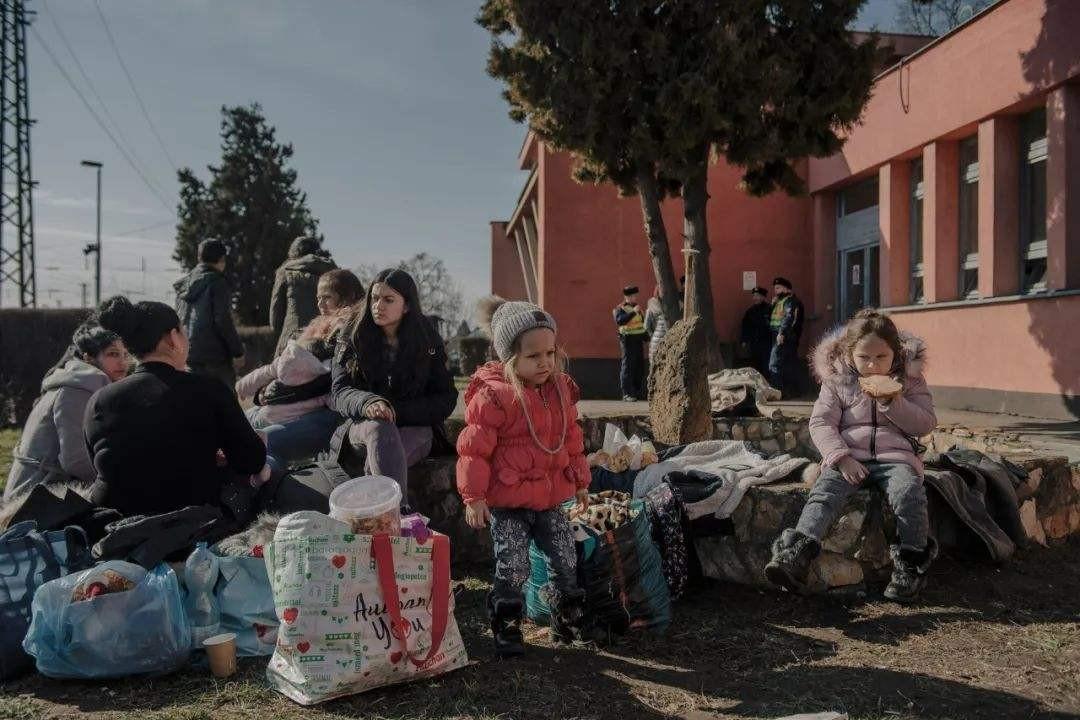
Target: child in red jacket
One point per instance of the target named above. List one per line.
(520, 457)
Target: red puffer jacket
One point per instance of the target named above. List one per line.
(498, 459)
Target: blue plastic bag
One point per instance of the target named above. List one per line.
(247, 605)
(203, 612)
(129, 632)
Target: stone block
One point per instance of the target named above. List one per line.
(433, 493)
(855, 550)
(679, 402)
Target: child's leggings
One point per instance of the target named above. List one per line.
(902, 485)
(511, 531)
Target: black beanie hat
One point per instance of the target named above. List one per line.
(782, 281)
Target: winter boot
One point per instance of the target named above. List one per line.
(567, 617)
(792, 554)
(909, 572)
(505, 614)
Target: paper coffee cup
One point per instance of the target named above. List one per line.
(221, 652)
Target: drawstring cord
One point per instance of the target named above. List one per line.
(562, 414)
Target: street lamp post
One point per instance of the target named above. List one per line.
(96, 247)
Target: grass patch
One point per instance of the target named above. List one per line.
(8, 439)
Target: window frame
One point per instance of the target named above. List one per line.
(916, 198)
(968, 181)
(1033, 152)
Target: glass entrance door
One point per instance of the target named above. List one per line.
(859, 285)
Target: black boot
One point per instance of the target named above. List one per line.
(909, 572)
(505, 614)
(567, 617)
(792, 554)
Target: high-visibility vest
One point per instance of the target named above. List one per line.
(636, 326)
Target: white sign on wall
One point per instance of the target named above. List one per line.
(749, 280)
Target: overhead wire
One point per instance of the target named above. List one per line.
(135, 157)
(97, 118)
(131, 83)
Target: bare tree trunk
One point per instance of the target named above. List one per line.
(699, 296)
(659, 249)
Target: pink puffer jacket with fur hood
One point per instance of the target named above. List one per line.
(846, 421)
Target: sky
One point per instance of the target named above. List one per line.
(402, 141)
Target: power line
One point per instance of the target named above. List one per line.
(93, 89)
(97, 118)
(131, 83)
(141, 229)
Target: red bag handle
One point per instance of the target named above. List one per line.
(439, 603)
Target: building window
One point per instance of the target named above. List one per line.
(918, 193)
(1033, 202)
(969, 218)
(858, 197)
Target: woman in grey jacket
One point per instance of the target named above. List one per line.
(53, 446)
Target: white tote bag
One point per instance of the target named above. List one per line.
(358, 612)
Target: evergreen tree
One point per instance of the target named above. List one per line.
(252, 204)
(645, 92)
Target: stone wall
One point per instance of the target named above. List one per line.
(856, 551)
(770, 435)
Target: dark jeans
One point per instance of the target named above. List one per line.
(511, 531)
(902, 485)
(632, 368)
(760, 356)
(300, 438)
(223, 371)
(783, 367)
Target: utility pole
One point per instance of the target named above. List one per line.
(96, 247)
(16, 183)
(83, 285)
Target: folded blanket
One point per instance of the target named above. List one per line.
(736, 467)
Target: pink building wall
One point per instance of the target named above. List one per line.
(1003, 351)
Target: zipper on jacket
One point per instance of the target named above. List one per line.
(873, 429)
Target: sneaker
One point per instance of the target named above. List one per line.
(506, 626)
(792, 554)
(629, 398)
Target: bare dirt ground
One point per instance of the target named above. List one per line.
(987, 642)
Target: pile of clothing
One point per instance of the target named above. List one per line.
(739, 392)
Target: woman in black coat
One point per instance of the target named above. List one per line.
(155, 436)
(390, 377)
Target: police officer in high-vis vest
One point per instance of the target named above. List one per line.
(630, 321)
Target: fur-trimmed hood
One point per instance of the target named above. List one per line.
(829, 361)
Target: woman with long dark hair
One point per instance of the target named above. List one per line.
(390, 377)
(52, 447)
(155, 435)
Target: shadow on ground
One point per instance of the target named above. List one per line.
(989, 642)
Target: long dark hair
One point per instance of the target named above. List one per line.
(418, 343)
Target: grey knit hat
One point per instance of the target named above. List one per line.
(511, 319)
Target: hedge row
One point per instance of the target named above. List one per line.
(32, 340)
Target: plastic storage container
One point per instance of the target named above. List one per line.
(370, 504)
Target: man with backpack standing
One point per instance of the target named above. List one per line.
(204, 304)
